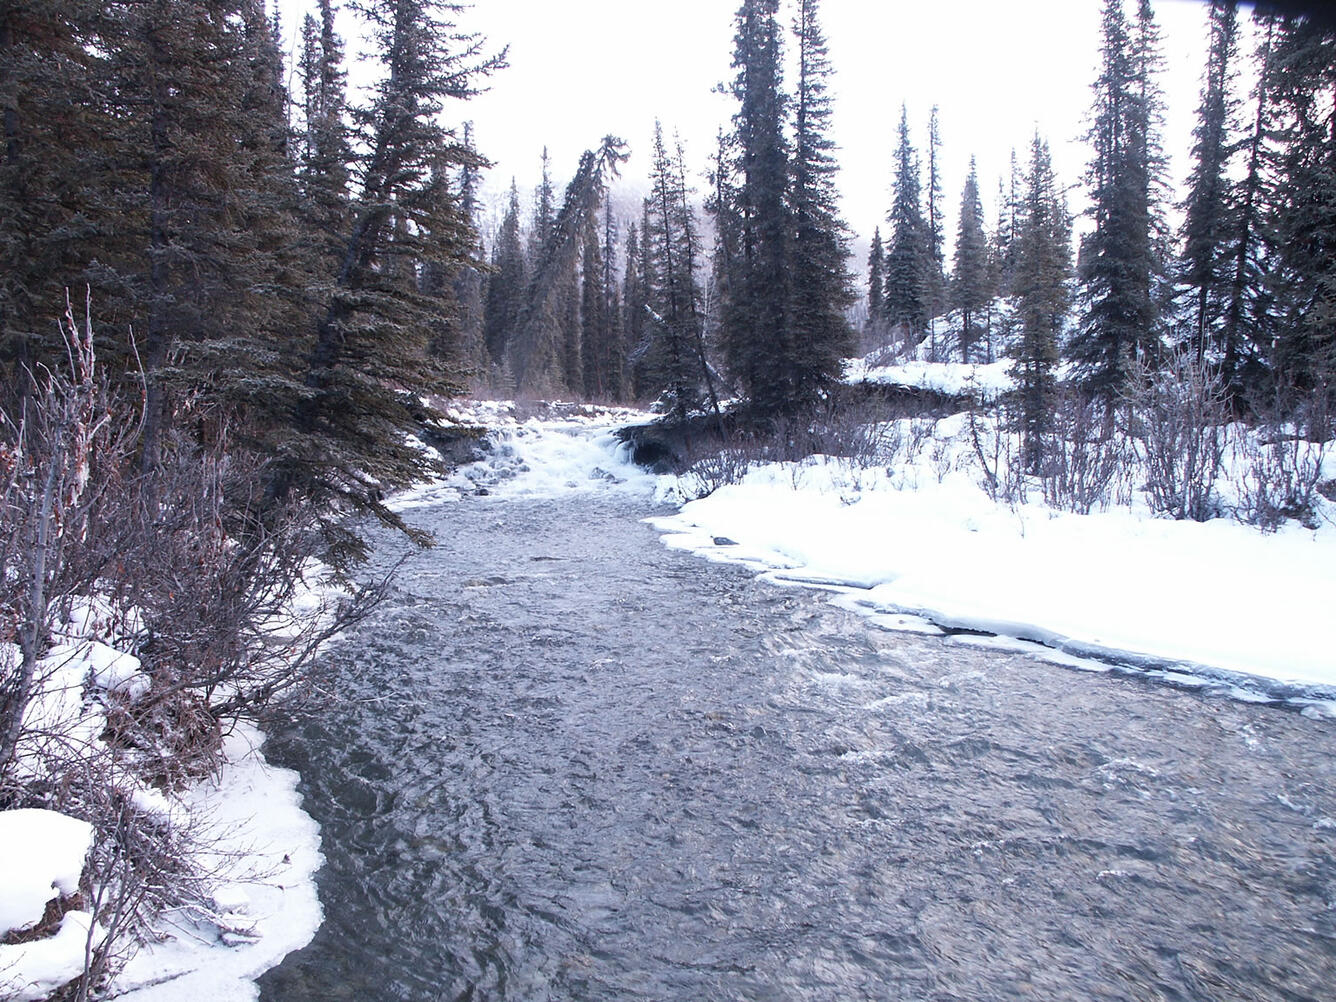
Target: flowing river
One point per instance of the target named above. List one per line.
(566, 762)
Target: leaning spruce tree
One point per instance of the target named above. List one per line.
(347, 440)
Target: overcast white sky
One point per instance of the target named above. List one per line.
(997, 69)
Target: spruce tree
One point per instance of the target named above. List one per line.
(757, 339)
(605, 350)
(722, 206)
(907, 259)
(464, 329)
(506, 283)
(820, 284)
(1246, 328)
(540, 226)
(634, 316)
(1005, 237)
(205, 208)
(1208, 225)
(1043, 263)
(674, 362)
(1302, 214)
(542, 355)
(325, 151)
(369, 363)
(970, 288)
(55, 177)
(876, 289)
(934, 282)
(1120, 265)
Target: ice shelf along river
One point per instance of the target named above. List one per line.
(563, 761)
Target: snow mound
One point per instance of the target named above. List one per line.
(266, 851)
(952, 379)
(41, 858)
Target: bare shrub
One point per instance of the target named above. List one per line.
(717, 469)
(1177, 414)
(215, 574)
(997, 451)
(61, 456)
(1280, 465)
(855, 429)
(1087, 458)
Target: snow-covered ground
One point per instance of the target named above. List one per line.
(952, 379)
(1187, 597)
(256, 847)
(266, 851)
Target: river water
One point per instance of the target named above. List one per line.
(566, 762)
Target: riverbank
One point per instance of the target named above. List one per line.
(924, 547)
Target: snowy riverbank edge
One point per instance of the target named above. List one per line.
(258, 849)
(1197, 604)
(268, 849)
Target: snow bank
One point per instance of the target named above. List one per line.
(32, 971)
(1118, 585)
(265, 850)
(41, 858)
(949, 378)
(257, 846)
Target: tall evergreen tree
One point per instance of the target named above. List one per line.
(675, 362)
(1007, 234)
(540, 229)
(820, 284)
(723, 207)
(464, 342)
(634, 301)
(1043, 264)
(506, 284)
(325, 148)
(1302, 215)
(369, 363)
(602, 317)
(907, 259)
(204, 205)
(970, 288)
(1119, 261)
(1246, 325)
(541, 352)
(934, 282)
(756, 336)
(876, 288)
(594, 316)
(1208, 225)
(54, 166)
